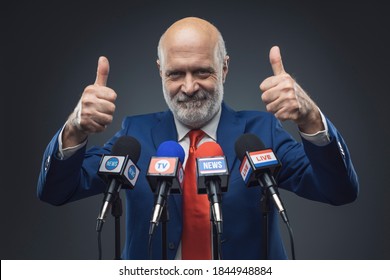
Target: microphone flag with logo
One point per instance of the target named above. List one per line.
(259, 166)
(165, 175)
(119, 169)
(212, 177)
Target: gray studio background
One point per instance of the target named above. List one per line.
(338, 52)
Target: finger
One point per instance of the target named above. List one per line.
(275, 59)
(283, 109)
(92, 104)
(106, 94)
(95, 122)
(92, 126)
(269, 83)
(270, 96)
(103, 70)
(94, 91)
(102, 119)
(105, 107)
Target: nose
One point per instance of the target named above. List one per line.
(190, 85)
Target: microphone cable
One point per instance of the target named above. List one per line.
(150, 243)
(219, 242)
(290, 232)
(99, 238)
(285, 219)
(284, 216)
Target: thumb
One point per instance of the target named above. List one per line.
(275, 59)
(102, 71)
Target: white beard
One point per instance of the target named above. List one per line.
(195, 110)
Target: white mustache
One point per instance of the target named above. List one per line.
(198, 96)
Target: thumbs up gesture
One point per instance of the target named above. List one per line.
(284, 97)
(94, 110)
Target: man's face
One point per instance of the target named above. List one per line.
(192, 80)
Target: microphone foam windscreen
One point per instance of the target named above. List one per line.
(248, 142)
(171, 149)
(209, 149)
(127, 146)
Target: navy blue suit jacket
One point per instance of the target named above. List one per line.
(323, 174)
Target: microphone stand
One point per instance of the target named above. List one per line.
(216, 241)
(116, 212)
(164, 220)
(265, 208)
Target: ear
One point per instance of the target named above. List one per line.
(159, 67)
(225, 67)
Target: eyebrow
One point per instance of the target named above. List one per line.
(207, 68)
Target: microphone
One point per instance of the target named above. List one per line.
(259, 166)
(165, 175)
(212, 177)
(120, 170)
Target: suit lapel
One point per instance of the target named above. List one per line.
(230, 127)
(164, 130)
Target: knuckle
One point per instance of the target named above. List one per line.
(114, 95)
(86, 102)
(286, 77)
(84, 116)
(113, 108)
(290, 95)
(288, 85)
(89, 89)
(109, 120)
(289, 106)
(108, 94)
(283, 116)
(279, 116)
(264, 98)
(268, 96)
(288, 81)
(262, 87)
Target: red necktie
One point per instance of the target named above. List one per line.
(196, 236)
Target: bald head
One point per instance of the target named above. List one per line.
(190, 33)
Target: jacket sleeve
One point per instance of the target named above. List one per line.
(63, 181)
(321, 173)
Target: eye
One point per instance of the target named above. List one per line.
(174, 74)
(203, 73)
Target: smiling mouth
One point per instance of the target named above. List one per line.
(188, 104)
(198, 97)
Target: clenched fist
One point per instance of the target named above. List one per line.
(94, 110)
(284, 98)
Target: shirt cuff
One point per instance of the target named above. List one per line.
(66, 153)
(320, 138)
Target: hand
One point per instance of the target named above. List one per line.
(94, 111)
(287, 100)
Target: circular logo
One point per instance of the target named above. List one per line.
(162, 165)
(181, 175)
(112, 163)
(132, 172)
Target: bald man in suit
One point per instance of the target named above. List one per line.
(193, 66)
